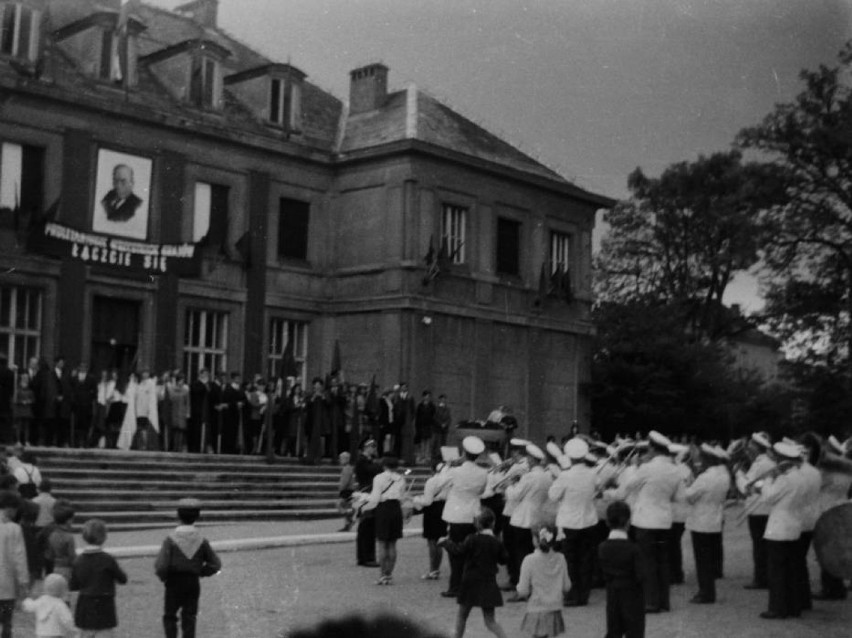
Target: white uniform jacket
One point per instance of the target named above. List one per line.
(657, 484)
(433, 491)
(786, 498)
(706, 497)
(575, 490)
(680, 508)
(605, 471)
(761, 465)
(813, 484)
(467, 483)
(531, 494)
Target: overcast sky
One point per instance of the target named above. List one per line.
(592, 88)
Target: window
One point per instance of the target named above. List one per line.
(19, 28)
(281, 333)
(21, 177)
(285, 103)
(508, 247)
(210, 213)
(293, 219)
(560, 252)
(205, 342)
(204, 83)
(453, 232)
(20, 323)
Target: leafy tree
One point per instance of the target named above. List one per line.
(682, 237)
(808, 253)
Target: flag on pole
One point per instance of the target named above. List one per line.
(288, 363)
(118, 53)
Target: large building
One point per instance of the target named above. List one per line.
(171, 198)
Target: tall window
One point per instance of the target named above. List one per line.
(560, 252)
(21, 176)
(508, 258)
(205, 342)
(285, 103)
(19, 28)
(204, 82)
(20, 323)
(281, 333)
(293, 220)
(210, 212)
(453, 231)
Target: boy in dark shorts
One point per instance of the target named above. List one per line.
(621, 563)
(184, 558)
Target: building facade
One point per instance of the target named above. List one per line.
(169, 198)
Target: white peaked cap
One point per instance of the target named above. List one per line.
(553, 450)
(564, 462)
(591, 458)
(678, 448)
(709, 450)
(473, 445)
(836, 445)
(660, 440)
(787, 450)
(722, 453)
(519, 443)
(535, 451)
(576, 448)
(761, 439)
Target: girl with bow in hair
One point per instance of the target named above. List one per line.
(544, 580)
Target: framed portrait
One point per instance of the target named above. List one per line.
(122, 195)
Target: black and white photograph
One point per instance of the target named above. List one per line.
(123, 188)
(425, 318)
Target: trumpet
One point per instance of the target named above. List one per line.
(502, 466)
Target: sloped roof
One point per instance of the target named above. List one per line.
(435, 124)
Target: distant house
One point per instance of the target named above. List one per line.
(269, 212)
(756, 352)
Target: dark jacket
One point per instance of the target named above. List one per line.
(185, 551)
(120, 212)
(621, 563)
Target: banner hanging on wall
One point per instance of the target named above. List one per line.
(64, 242)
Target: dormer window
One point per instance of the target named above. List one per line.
(205, 86)
(118, 58)
(19, 30)
(285, 100)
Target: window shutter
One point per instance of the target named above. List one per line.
(294, 217)
(508, 247)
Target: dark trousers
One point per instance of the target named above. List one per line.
(654, 545)
(578, 547)
(756, 528)
(512, 567)
(781, 571)
(521, 546)
(600, 535)
(706, 548)
(365, 538)
(457, 533)
(625, 612)
(832, 586)
(676, 553)
(7, 609)
(803, 576)
(182, 592)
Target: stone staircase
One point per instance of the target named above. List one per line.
(140, 490)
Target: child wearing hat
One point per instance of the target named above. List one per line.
(52, 616)
(184, 558)
(94, 575)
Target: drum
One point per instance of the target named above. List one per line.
(833, 540)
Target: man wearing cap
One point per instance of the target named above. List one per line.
(657, 485)
(810, 448)
(707, 496)
(785, 494)
(680, 511)
(517, 450)
(366, 469)
(575, 490)
(531, 494)
(758, 509)
(467, 484)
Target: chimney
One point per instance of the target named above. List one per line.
(204, 12)
(368, 88)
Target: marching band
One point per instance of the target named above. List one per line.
(669, 487)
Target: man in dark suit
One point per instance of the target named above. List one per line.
(234, 398)
(64, 403)
(84, 393)
(121, 203)
(403, 417)
(199, 412)
(7, 391)
(366, 469)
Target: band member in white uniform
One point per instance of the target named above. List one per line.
(680, 510)
(501, 482)
(574, 490)
(706, 497)
(758, 509)
(531, 493)
(657, 484)
(467, 483)
(785, 493)
(811, 447)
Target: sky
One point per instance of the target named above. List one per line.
(591, 88)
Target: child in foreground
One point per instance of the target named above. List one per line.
(482, 552)
(621, 563)
(544, 579)
(94, 574)
(52, 616)
(185, 557)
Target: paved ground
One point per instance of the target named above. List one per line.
(261, 593)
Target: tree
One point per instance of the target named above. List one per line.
(808, 255)
(682, 237)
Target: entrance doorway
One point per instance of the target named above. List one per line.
(115, 334)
